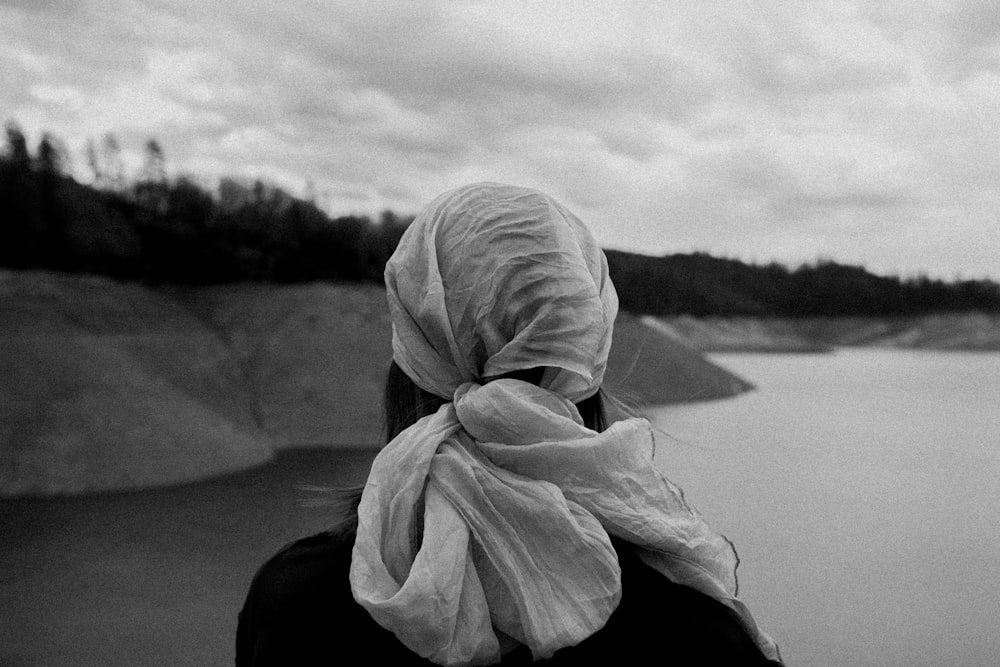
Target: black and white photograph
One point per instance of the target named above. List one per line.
(475, 332)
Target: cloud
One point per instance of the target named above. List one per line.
(863, 131)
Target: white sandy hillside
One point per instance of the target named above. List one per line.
(945, 331)
(113, 386)
(313, 356)
(965, 331)
(647, 367)
(717, 334)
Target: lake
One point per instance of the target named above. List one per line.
(861, 491)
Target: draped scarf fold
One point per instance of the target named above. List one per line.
(490, 519)
(516, 500)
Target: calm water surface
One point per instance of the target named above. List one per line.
(862, 490)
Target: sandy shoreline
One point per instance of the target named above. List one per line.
(122, 386)
(152, 577)
(961, 331)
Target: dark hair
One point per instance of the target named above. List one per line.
(404, 404)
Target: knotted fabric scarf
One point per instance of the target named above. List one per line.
(492, 516)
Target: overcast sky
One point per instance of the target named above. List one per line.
(864, 132)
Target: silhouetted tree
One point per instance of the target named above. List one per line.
(154, 169)
(21, 228)
(50, 163)
(233, 195)
(112, 167)
(17, 147)
(52, 158)
(151, 187)
(161, 230)
(93, 161)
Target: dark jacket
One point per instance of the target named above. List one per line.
(300, 611)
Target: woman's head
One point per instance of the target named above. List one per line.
(495, 279)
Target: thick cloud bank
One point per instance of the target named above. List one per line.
(860, 131)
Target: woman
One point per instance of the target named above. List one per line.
(503, 522)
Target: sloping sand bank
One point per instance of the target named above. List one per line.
(109, 386)
(115, 386)
(945, 331)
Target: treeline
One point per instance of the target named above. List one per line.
(151, 228)
(699, 284)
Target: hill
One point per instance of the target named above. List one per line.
(112, 385)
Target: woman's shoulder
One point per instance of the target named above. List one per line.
(307, 566)
(299, 610)
(660, 622)
(656, 615)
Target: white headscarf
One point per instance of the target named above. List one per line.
(515, 497)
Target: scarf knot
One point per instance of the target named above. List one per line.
(514, 413)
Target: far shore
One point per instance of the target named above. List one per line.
(972, 331)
